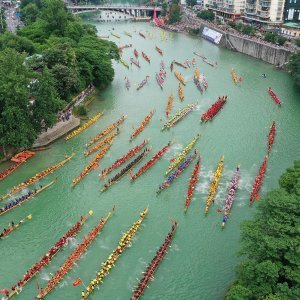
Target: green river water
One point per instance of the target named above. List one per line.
(202, 260)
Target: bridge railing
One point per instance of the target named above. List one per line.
(120, 6)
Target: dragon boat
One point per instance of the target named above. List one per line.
(106, 266)
(142, 83)
(159, 50)
(36, 178)
(73, 258)
(84, 126)
(192, 184)
(173, 120)
(115, 35)
(180, 92)
(169, 105)
(142, 35)
(274, 96)
(159, 80)
(127, 33)
(147, 58)
(179, 77)
(47, 258)
(232, 188)
(13, 227)
(214, 109)
(108, 139)
(234, 77)
(258, 181)
(135, 62)
(22, 199)
(123, 159)
(126, 169)
(92, 165)
(127, 84)
(187, 161)
(107, 130)
(271, 136)
(181, 156)
(154, 264)
(214, 185)
(151, 162)
(180, 64)
(197, 74)
(124, 63)
(144, 123)
(136, 54)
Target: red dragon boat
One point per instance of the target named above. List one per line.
(159, 50)
(258, 181)
(154, 264)
(147, 58)
(274, 96)
(143, 125)
(214, 109)
(271, 136)
(136, 54)
(151, 162)
(193, 182)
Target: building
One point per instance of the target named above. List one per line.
(228, 9)
(292, 11)
(268, 12)
(290, 30)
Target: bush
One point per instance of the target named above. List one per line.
(80, 110)
(297, 42)
(206, 15)
(193, 31)
(274, 38)
(231, 24)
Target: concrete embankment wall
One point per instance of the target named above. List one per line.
(267, 53)
(57, 131)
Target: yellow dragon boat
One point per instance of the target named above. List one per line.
(114, 256)
(115, 35)
(84, 126)
(36, 178)
(179, 77)
(169, 105)
(214, 185)
(181, 156)
(234, 76)
(180, 92)
(124, 63)
(197, 74)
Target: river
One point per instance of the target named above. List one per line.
(202, 260)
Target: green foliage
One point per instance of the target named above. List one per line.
(80, 110)
(245, 29)
(194, 31)
(206, 15)
(294, 67)
(270, 245)
(19, 43)
(30, 13)
(164, 7)
(3, 24)
(175, 14)
(297, 42)
(191, 2)
(274, 38)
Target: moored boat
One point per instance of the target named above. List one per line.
(47, 258)
(12, 227)
(154, 264)
(151, 162)
(123, 159)
(274, 96)
(169, 180)
(214, 109)
(214, 184)
(258, 181)
(106, 266)
(232, 188)
(142, 125)
(192, 184)
(181, 156)
(73, 257)
(84, 126)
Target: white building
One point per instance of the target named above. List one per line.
(264, 11)
(229, 9)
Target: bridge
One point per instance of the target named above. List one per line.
(133, 10)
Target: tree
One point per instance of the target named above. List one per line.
(30, 13)
(16, 129)
(164, 8)
(206, 15)
(270, 245)
(19, 43)
(175, 14)
(297, 42)
(294, 67)
(3, 24)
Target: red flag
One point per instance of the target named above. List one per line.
(78, 281)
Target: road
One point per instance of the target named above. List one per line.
(12, 20)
